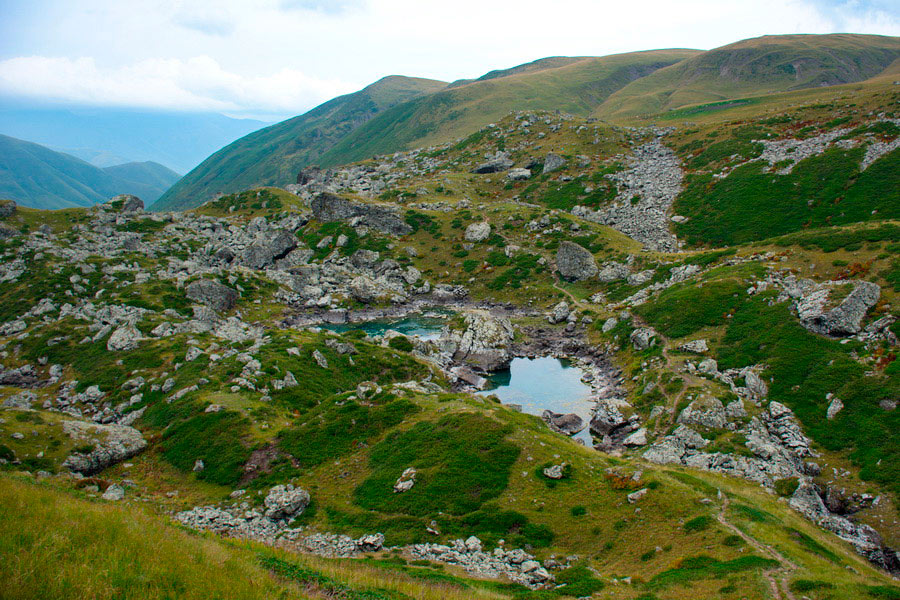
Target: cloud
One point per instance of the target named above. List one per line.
(328, 7)
(197, 83)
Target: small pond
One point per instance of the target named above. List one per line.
(427, 327)
(545, 383)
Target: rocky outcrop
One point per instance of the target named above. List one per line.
(484, 343)
(112, 445)
(7, 208)
(478, 232)
(495, 164)
(123, 339)
(129, 203)
(329, 207)
(285, 502)
(553, 162)
(213, 294)
(574, 262)
(567, 424)
(268, 248)
(844, 319)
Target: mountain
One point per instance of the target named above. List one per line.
(107, 136)
(328, 135)
(755, 67)
(38, 177)
(274, 155)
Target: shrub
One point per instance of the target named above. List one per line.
(700, 523)
(214, 438)
(401, 343)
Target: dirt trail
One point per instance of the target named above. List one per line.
(777, 577)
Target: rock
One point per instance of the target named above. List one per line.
(213, 294)
(284, 502)
(553, 162)
(114, 493)
(554, 471)
(478, 232)
(199, 465)
(643, 337)
(328, 207)
(844, 319)
(834, 408)
(559, 314)
(112, 444)
(123, 339)
(485, 342)
(370, 543)
(406, 481)
(636, 496)
(708, 366)
(518, 174)
(695, 346)
(609, 324)
(7, 232)
(130, 203)
(613, 271)
(499, 162)
(7, 208)
(568, 424)
(320, 359)
(269, 248)
(473, 544)
(638, 438)
(707, 412)
(756, 386)
(574, 262)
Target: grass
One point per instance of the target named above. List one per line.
(462, 461)
(705, 567)
(750, 204)
(215, 438)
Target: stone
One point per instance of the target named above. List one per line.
(518, 174)
(112, 444)
(7, 208)
(485, 342)
(130, 204)
(553, 162)
(478, 232)
(497, 163)
(574, 262)
(320, 359)
(114, 493)
(372, 542)
(613, 271)
(328, 207)
(285, 502)
(707, 412)
(567, 424)
(708, 366)
(609, 324)
(406, 481)
(637, 438)
(554, 471)
(834, 408)
(123, 339)
(636, 496)
(643, 338)
(213, 294)
(269, 248)
(199, 465)
(695, 346)
(559, 313)
(844, 319)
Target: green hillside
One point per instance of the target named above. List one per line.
(755, 67)
(274, 155)
(38, 177)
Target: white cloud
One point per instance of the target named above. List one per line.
(197, 83)
(288, 55)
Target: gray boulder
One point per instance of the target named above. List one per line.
(284, 502)
(574, 262)
(485, 342)
(568, 424)
(478, 232)
(518, 174)
(497, 163)
(613, 271)
(329, 207)
(844, 319)
(123, 339)
(7, 208)
(643, 337)
(270, 247)
(212, 294)
(130, 204)
(553, 162)
(112, 445)
(559, 314)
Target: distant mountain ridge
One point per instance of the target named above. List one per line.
(109, 136)
(38, 177)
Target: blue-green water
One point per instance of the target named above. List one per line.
(545, 383)
(427, 328)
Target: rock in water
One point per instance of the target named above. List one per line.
(574, 262)
(478, 232)
(213, 294)
(284, 502)
(486, 341)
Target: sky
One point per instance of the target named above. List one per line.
(272, 59)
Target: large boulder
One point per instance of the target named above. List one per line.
(111, 445)
(495, 164)
(478, 232)
(574, 262)
(612, 271)
(329, 207)
(123, 339)
(127, 203)
(568, 423)
(212, 294)
(553, 162)
(844, 319)
(7, 208)
(268, 248)
(284, 502)
(485, 342)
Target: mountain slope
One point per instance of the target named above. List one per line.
(274, 154)
(106, 136)
(576, 87)
(38, 177)
(755, 67)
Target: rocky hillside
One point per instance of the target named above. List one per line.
(727, 289)
(273, 155)
(38, 177)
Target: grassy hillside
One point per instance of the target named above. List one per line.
(755, 67)
(575, 87)
(274, 155)
(38, 177)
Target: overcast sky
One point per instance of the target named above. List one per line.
(277, 58)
